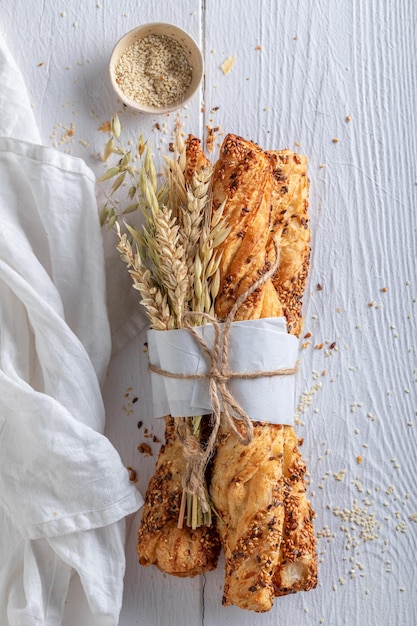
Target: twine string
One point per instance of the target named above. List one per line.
(222, 401)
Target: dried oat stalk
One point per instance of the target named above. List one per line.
(172, 257)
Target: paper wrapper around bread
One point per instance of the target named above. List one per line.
(254, 347)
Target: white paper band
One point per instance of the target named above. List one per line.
(254, 346)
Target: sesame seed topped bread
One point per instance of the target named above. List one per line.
(263, 517)
(196, 160)
(258, 489)
(183, 552)
(297, 563)
(242, 176)
(290, 194)
(177, 551)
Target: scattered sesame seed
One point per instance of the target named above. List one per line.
(340, 475)
(401, 527)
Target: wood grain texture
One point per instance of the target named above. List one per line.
(301, 68)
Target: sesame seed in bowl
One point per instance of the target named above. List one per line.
(156, 68)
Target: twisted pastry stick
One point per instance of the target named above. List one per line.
(177, 551)
(261, 506)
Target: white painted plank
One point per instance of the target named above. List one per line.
(318, 63)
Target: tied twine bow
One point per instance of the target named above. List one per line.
(223, 403)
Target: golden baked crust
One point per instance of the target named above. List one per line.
(246, 489)
(291, 195)
(297, 563)
(242, 175)
(195, 158)
(265, 519)
(176, 551)
(258, 570)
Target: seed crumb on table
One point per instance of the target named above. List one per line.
(145, 448)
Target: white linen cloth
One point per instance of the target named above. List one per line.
(64, 491)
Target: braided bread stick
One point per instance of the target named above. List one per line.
(249, 485)
(177, 551)
(297, 569)
(290, 194)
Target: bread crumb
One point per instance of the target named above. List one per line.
(132, 474)
(228, 64)
(105, 127)
(145, 448)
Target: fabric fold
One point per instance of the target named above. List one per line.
(64, 490)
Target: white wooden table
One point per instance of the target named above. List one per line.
(336, 81)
